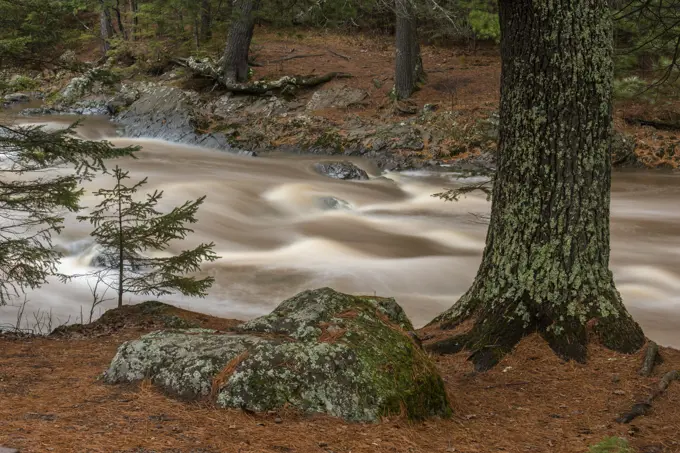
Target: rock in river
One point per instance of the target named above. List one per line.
(319, 352)
(341, 170)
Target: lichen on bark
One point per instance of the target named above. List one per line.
(546, 262)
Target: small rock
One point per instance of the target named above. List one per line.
(619, 392)
(278, 420)
(8, 450)
(341, 170)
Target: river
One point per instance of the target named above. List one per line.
(278, 233)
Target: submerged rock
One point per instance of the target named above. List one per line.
(332, 203)
(341, 170)
(318, 352)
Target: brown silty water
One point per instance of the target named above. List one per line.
(281, 228)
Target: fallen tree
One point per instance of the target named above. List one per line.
(210, 69)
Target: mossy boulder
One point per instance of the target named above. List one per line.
(319, 352)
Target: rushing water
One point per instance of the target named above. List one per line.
(278, 233)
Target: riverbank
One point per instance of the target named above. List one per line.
(54, 400)
(451, 121)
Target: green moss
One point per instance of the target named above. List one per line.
(22, 83)
(612, 445)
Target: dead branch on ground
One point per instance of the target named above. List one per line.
(645, 406)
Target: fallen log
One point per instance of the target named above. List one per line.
(212, 70)
(651, 358)
(645, 406)
(655, 124)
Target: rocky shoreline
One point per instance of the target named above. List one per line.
(324, 122)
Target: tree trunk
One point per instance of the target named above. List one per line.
(409, 64)
(238, 41)
(105, 25)
(119, 19)
(134, 22)
(545, 267)
(206, 21)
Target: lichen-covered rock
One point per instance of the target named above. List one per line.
(341, 170)
(319, 352)
(182, 362)
(95, 81)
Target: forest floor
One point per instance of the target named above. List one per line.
(52, 400)
(458, 80)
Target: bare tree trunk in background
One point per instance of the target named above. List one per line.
(197, 32)
(409, 70)
(545, 267)
(105, 25)
(206, 21)
(134, 20)
(121, 27)
(238, 40)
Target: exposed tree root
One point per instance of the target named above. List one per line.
(645, 406)
(293, 57)
(652, 357)
(212, 70)
(620, 333)
(344, 57)
(495, 332)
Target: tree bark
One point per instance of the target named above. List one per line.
(409, 70)
(238, 41)
(545, 267)
(105, 25)
(119, 19)
(134, 22)
(206, 20)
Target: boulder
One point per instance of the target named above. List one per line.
(318, 352)
(341, 170)
(168, 113)
(16, 98)
(337, 98)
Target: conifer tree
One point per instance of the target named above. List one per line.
(36, 189)
(127, 229)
